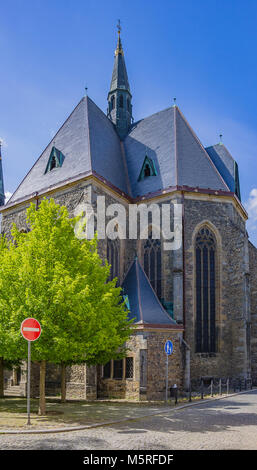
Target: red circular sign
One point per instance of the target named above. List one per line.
(30, 329)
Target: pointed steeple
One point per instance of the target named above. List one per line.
(119, 97)
(2, 196)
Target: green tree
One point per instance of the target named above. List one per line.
(11, 349)
(62, 282)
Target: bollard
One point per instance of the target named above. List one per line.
(175, 389)
(220, 391)
(212, 387)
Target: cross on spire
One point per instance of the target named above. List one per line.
(119, 27)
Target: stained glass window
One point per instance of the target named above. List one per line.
(153, 263)
(113, 257)
(205, 256)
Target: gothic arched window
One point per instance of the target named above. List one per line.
(205, 256)
(121, 101)
(153, 263)
(113, 258)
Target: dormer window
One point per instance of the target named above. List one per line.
(56, 159)
(53, 163)
(148, 169)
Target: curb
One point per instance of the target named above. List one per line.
(98, 425)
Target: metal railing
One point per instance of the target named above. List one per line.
(216, 386)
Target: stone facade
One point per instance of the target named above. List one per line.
(233, 315)
(221, 217)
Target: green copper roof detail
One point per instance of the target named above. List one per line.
(56, 159)
(148, 169)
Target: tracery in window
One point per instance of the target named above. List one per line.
(205, 256)
(153, 263)
(113, 258)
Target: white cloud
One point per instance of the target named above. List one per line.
(3, 142)
(7, 196)
(251, 207)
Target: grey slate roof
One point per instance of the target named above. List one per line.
(91, 145)
(224, 162)
(179, 157)
(144, 304)
(89, 142)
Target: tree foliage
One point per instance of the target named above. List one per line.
(49, 274)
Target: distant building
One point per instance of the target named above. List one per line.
(202, 296)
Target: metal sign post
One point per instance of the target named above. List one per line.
(168, 349)
(30, 330)
(28, 383)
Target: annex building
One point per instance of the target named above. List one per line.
(202, 296)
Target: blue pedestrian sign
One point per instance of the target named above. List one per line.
(168, 347)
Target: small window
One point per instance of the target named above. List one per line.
(129, 367)
(118, 369)
(148, 169)
(56, 159)
(107, 370)
(53, 163)
(112, 102)
(121, 101)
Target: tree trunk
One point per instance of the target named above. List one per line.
(42, 389)
(63, 383)
(1, 377)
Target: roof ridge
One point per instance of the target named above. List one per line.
(147, 117)
(196, 138)
(223, 145)
(52, 140)
(88, 132)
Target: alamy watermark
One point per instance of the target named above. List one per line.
(115, 221)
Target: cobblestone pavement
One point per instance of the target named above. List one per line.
(230, 423)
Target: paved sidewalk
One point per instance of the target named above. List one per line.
(229, 423)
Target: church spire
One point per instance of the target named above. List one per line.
(2, 196)
(119, 97)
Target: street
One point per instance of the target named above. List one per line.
(229, 423)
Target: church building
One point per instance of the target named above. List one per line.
(202, 296)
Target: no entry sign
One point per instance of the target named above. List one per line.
(30, 329)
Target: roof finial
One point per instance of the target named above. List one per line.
(221, 139)
(86, 90)
(174, 100)
(119, 49)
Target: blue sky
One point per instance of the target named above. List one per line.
(203, 52)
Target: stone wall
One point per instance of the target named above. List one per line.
(156, 363)
(253, 289)
(231, 319)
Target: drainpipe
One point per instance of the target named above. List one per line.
(37, 203)
(187, 375)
